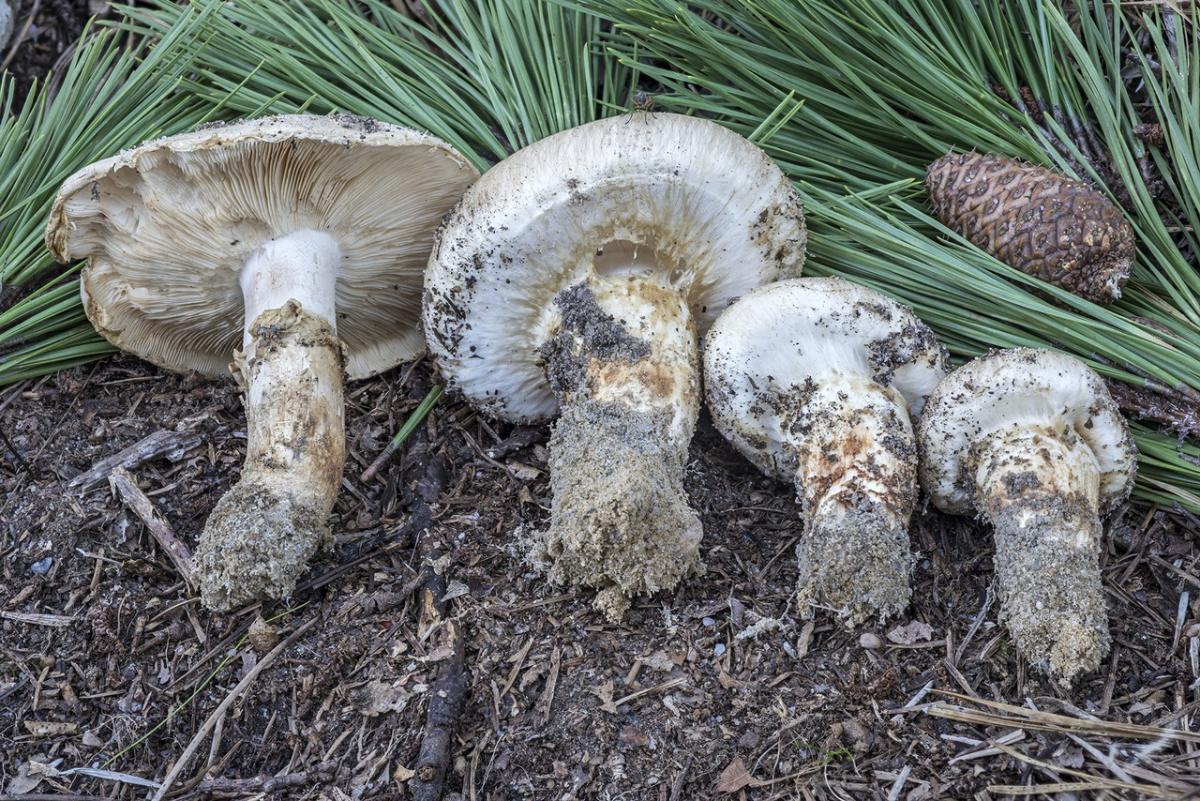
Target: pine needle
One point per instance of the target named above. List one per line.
(109, 97)
(852, 101)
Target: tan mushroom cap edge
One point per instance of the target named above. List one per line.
(167, 226)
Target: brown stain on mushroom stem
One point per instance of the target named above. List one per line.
(295, 426)
(1038, 487)
(627, 385)
(855, 460)
(261, 534)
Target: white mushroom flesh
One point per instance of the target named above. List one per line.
(815, 380)
(1032, 441)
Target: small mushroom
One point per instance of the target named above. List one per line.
(572, 280)
(300, 240)
(816, 381)
(1031, 440)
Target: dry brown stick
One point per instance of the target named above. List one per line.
(681, 780)
(223, 708)
(16, 454)
(160, 443)
(450, 689)
(51, 797)
(445, 705)
(181, 556)
(322, 772)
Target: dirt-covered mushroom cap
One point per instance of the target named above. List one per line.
(794, 333)
(681, 200)
(816, 381)
(1032, 442)
(1029, 388)
(168, 226)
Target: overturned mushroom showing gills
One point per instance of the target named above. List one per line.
(816, 381)
(1031, 440)
(293, 246)
(572, 279)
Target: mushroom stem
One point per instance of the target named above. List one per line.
(262, 532)
(856, 482)
(623, 362)
(1040, 488)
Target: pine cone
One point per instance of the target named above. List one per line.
(1042, 223)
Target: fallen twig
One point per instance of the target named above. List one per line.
(19, 37)
(521, 437)
(171, 444)
(16, 454)
(450, 689)
(181, 556)
(681, 780)
(39, 619)
(322, 772)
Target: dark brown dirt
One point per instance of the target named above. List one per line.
(561, 703)
(43, 30)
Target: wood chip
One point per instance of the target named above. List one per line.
(36, 619)
(49, 728)
(546, 701)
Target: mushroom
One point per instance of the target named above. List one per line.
(573, 279)
(1031, 440)
(816, 381)
(299, 239)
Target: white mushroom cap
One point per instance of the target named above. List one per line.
(168, 226)
(781, 338)
(1021, 387)
(681, 199)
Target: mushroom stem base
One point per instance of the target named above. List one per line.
(620, 520)
(856, 481)
(261, 534)
(1039, 489)
(855, 561)
(623, 363)
(1049, 585)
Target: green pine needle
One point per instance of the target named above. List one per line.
(108, 98)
